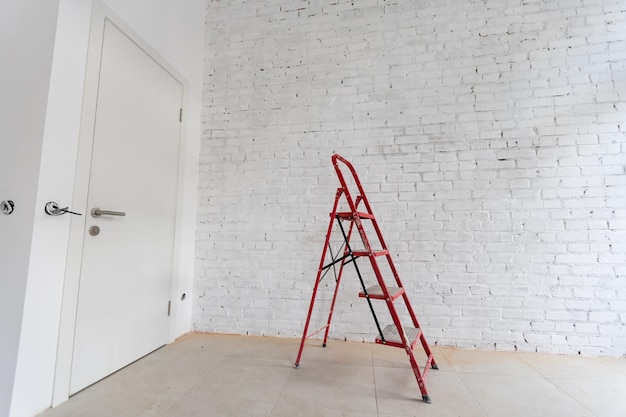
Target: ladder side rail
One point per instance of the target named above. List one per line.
(420, 377)
(308, 318)
(342, 180)
(318, 277)
(409, 308)
(338, 158)
(431, 359)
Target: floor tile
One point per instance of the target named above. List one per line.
(347, 353)
(486, 362)
(267, 348)
(521, 396)
(332, 386)
(398, 394)
(211, 343)
(103, 403)
(225, 407)
(246, 379)
(603, 399)
(571, 367)
(616, 364)
(284, 409)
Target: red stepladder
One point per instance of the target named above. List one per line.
(352, 211)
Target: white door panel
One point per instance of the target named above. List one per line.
(126, 268)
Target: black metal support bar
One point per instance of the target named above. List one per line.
(335, 261)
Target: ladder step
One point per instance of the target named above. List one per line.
(347, 215)
(376, 292)
(363, 252)
(392, 337)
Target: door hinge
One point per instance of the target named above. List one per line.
(169, 308)
(180, 115)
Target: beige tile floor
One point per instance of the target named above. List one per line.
(203, 375)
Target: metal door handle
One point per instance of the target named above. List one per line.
(96, 212)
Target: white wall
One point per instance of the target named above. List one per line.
(175, 30)
(490, 136)
(26, 41)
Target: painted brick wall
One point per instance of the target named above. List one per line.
(491, 140)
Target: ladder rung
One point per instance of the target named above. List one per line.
(392, 337)
(363, 252)
(347, 215)
(376, 292)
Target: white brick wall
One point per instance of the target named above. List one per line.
(490, 136)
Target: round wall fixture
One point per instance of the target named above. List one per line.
(7, 207)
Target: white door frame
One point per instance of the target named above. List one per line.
(100, 14)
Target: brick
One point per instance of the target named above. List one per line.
(603, 317)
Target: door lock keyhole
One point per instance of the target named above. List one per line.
(94, 230)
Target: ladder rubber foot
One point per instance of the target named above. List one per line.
(426, 399)
(434, 366)
(323, 344)
(296, 365)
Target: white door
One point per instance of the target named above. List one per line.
(126, 270)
